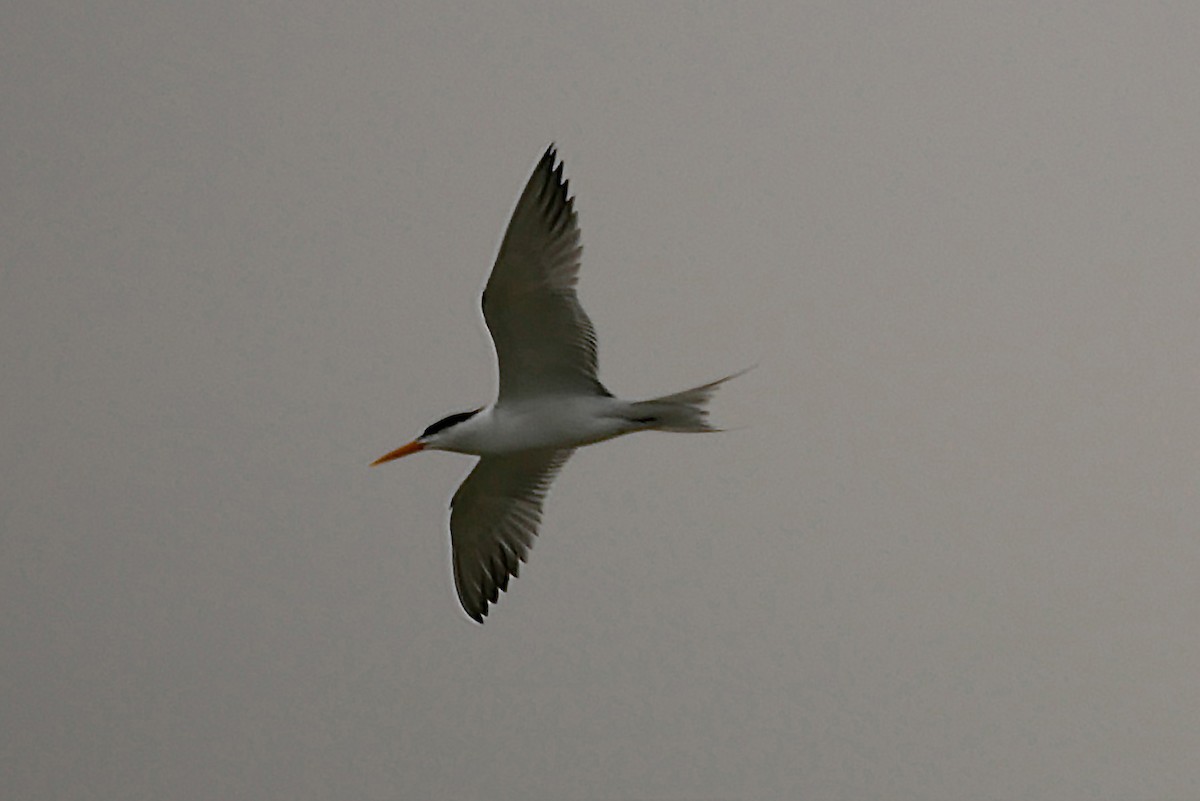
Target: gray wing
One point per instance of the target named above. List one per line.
(493, 519)
(545, 343)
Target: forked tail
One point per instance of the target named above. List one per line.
(683, 411)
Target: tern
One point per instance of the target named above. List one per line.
(549, 402)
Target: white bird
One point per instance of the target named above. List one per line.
(549, 403)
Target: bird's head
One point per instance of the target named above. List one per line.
(439, 436)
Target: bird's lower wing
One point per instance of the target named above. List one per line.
(493, 519)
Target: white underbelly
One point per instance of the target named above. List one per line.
(551, 423)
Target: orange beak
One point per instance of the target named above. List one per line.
(403, 450)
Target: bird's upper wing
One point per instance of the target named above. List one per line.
(493, 519)
(545, 343)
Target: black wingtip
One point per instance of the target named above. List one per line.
(551, 159)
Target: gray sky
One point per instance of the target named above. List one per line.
(952, 553)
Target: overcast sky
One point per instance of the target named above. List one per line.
(950, 551)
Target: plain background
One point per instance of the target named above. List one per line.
(950, 551)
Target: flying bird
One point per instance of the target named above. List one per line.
(550, 400)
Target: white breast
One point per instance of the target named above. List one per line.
(545, 422)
